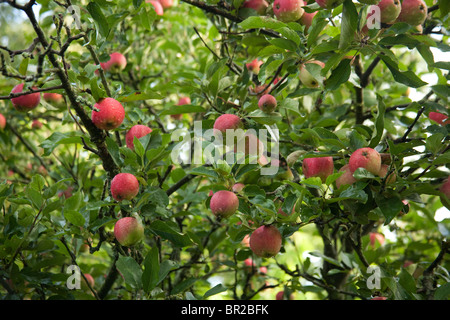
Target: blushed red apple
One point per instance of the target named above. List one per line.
(110, 115)
(224, 203)
(25, 102)
(254, 66)
(2, 122)
(288, 10)
(389, 10)
(366, 158)
(128, 231)
(137, 131)
(54, 98)
(320, 167)
(307, 19)
(124, 186)
(182, 101)
(413, 12)
(346, 178)
(260, 6)
(116, 63)
(267, 103)
(329, 4)
(266, 241)
(227, 121)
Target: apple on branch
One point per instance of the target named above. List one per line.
(116, 63)
(224, 203)
(137, 131)
(413, 12)
(320, 167)
(366, 158)
(260, 6)
(124, 186)
(110, 114)
(288, 10)
(128, 231)
(266, 241)
(25, 102)
(2, 122)
(267, 103)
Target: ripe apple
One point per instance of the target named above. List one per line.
(389, 10)
(414, 12)
(157, 6)
(238, 187)
(110, 115)
(366, 158)
(376, 237)
(266, 241)
(26, 102)
(439, 118)
(329, 4)
(124, 186)
(224, 203)
(260, 6)
(307, 19)
(227, 121)
(254, 66)
(128, 231)
(90, 280)
(320, 167)
(383, 172)
(181, 101)
(306, 77)
(166, 4)
(280, 296)
(445, 188)
(249, 265)
(54, 98)
(288, 10)
(36, 124)
(2, 122)
(137, 131)
(267, 103)
(345, 179)
(116, 63)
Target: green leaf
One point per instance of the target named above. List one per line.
(202, 171)
(138, 96)
(56, 139)
(186, 108)
(147, 17)
(215, 290)
(166, 232)
(379, 123)
(256, 22)
(390, 206)
(99, 18)
(339, 75)
(408, 78)
(130, 270)
(114, 151)
(443, 292)
(349, 24)
(434, 142)
(74, 217)
(150, 276)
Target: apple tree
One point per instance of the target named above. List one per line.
(118, 180)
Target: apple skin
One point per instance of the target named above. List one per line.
(238, 187)
(128, 231)
(414, 12)
(288, 10)
(89, 279)
(367, 158)
(2, 122)
(26, 102)
(383, 172)
(389, 10)
(159, 9)
(110, 115)
(439, 118)
(137, 131)
(280, 296)
(124, 186)
(166, 4)
(224, 203)
(345, 179)
(36, 124)
(53, 98)
(266, 241)
(306, 78)
(181, 101)
(307, 19)
(267, 103)
(445, 188)
(116, 63)
(329, 4)
(320, 167)
(227, 121)
(254, 66)
(376, 237)
(260, 6)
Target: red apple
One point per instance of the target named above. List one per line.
(227, 121)
(383, 172)
(346, 178)
(320, 167)
(36, 124)
(260, 6)
(414, 12)
(254, 66)
(124, 186)
(389, 10)
(157, 6)
(445, 188)
(224, 203)
(128, 231)
(307, 19)
(26, 102)
(306, 77)
(238, 187)
(288, 10)
(379, 298)
(137, 131)
(266, 241)
(329, 4)
(2, 122)
(376, 237)
(110, 115)
(366, 158)
(267, 103)
(166, 4)
(90, 280)
(439, 118)
(263, 270)
(280, 296)
(181, 101)
(53, 98)
(117, 62)
(249, 265)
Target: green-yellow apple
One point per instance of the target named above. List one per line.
(306, 77)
